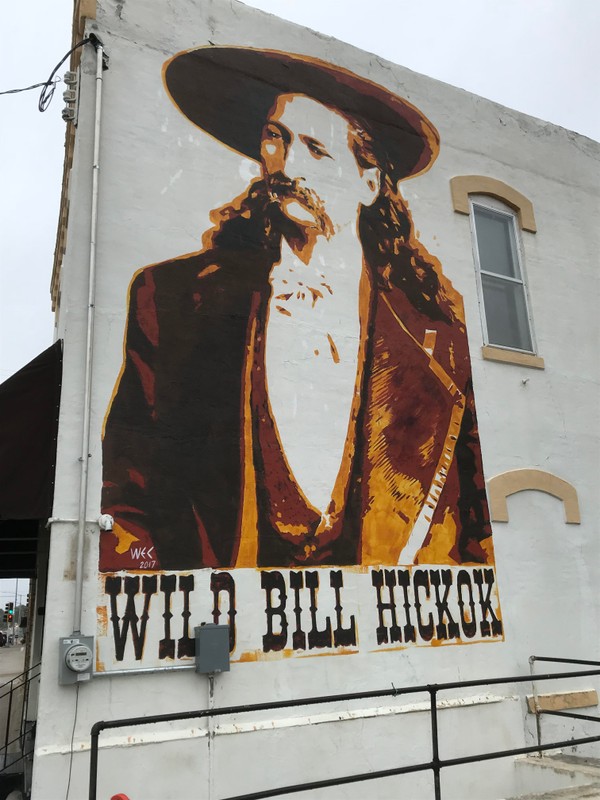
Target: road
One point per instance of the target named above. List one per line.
(11, 664)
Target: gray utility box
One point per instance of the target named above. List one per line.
(75, 658)
(212, 648)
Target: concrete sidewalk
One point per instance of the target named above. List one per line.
(11, 662)
(590, 792)
(11, 702)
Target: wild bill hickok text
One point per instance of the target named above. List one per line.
(149, 619)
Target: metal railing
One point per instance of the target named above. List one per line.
(15, 692)
(435, 764)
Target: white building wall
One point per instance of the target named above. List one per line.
(157, 188)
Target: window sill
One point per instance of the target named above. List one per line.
(491, 353)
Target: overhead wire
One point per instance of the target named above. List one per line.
(48, 86)
(27, 88)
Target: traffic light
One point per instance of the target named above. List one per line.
(9, 610)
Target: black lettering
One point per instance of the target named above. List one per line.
(393, 633)
(316, 638)
(409, 629)
(166, 646)
(443, 631)
(130, 617)
(481, 576)
(298, 636)
(269, 582)
(223, 582)
(342, 637)
(421, 581)
(468, 623)
(186, 646)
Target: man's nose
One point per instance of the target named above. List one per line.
(293, 166)
(285, 159)
(273, 155)
(277, 160)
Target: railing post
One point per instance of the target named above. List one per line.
(538, 722)
(25, 710)
(94, 761)
(8, 716)
(435, 753)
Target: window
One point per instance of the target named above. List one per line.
(505, 312)
(499, 213)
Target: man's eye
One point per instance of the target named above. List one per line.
(317, 150)
(272, 133)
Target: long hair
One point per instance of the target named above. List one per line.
(387, 234)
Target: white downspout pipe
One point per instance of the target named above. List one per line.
(87, 396)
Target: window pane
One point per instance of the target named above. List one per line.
(506, 313)
(496, 243)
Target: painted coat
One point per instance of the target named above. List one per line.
(178, 468)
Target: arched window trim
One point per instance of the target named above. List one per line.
(502, 486)
(462, 186)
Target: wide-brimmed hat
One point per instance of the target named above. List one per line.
(229, 91)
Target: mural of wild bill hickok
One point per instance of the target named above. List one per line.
(298, 392)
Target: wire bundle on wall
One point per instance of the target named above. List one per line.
(49, 86)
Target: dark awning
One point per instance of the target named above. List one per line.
(29, 405)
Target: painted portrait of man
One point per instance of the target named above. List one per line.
(297, 392)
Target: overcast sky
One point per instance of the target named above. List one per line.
(541, 57)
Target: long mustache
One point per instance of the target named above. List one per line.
(256, 220)
(280, 188)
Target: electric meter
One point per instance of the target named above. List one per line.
(76, 658)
